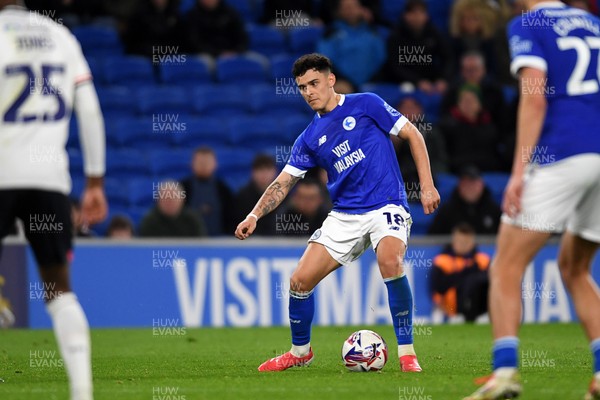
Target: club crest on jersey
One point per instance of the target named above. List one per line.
(349, 123)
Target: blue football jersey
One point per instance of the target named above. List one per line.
(565, 43)
(352, 143)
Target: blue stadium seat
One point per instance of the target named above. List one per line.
(281, 68)
(244, 8)
(136, 214)
(125, 164)
(73, 139)
(192, 71)
(240, 69)
(116, 100)
(266, 40)
(232, 161)
(510, 93)
(169, 164)
(219, 100)
(391, 9)
(267, 99)
(117, 192)
(293, 125)
(75, 164)
(257, 133)
(236, 181)
(421, 221)
(304, 40)
(140, 133)
(98, 40)
(164, 100)
(141, 192)
(496, 182)
(439, 13)
(445, 184)
(207, 131)
(97, 69)
(77, 186)
(128, 71)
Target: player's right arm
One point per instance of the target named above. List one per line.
(271, 198)
(530, 120)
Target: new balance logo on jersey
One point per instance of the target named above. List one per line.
(322, 139)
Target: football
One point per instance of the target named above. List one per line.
(364, 351)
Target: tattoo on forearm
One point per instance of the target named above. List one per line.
(275, 194)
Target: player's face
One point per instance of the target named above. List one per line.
(317, 89)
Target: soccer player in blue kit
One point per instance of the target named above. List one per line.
(350, 138)
(555, 181)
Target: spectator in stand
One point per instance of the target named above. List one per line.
(264, 172)
(305, 212)
(207, 195)
(120, 227)
(155, 25)
(459, 280)
(369, 9)
(353, 45)
(473, 25)
(215, 29)
(470, 134)
(473, 72)
(169, 217)
(470, 202)
(417, 51)
(412, 109)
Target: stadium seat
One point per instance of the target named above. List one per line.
(169, 164)
(510, 93)
(285, 99)
(281, 68)
(445, 184)
(97, 69)
(244, 8)
(125, 164)
(128, 71)
(266, 40)
(304, 40)
(140, 133)
(293, 125)
(117, 192)
(167, 101)
(240, 69)
(392, 9)
(421, 221)
(75, 163)
(192, 71)
(234, 161)
(207, 131)
(219, 100)
(98, 41)
(116, 100)
(496, 182)
(141, 192)
(77, 186)
(73, 139)
(256, 133)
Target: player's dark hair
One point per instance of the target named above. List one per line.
(311, 61)
(263, 161)
(204, 150)
(464, 228)
(412, 5)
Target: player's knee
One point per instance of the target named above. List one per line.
(390, 266)
(300, 283)
(570, 267)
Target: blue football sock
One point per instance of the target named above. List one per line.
(401, 306)
(595, 346)
(505, 352)
(302, 310)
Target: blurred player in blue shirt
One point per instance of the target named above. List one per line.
(555, 181)
(349, 137)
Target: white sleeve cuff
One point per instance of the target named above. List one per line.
(527, 61)
(398, 125)
(298, 173)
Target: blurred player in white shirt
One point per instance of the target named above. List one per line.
(43, 77)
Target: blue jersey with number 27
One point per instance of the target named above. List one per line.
(352, 143)
(564, 42)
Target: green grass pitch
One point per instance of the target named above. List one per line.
(191, 364)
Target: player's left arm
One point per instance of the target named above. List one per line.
(430, 198)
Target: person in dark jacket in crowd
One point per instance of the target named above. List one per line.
(207, 195)
(216, 29)
(459, 280)
(417, 51)
(305, 212)
(470, 202)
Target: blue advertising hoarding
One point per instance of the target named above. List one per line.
(246, 284)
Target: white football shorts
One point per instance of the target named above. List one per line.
(347, 236)
(562, 195)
